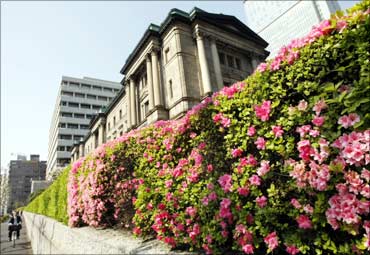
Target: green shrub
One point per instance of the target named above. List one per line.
(52, 202)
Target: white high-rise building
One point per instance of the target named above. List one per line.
(279, 22)
(77, 101)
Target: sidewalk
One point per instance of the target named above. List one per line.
(22, 245)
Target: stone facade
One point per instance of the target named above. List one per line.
(176, 65)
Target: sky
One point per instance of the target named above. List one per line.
(42, 41)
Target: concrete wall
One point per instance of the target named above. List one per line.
(49, 236)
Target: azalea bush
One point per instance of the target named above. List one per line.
(278, 163)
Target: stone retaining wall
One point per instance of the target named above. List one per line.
(49, 236)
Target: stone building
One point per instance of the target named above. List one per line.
(279, 22)
(174, 67)
(21, 173)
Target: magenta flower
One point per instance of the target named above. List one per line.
(263, 111)
(264, 168)
(226, 182)
(248, 249)
(261, 201)
(255, 180)
(261, 143)
(278, 131)
(236, 152)
(318, 121)
(251, 131)
(271, 240)
(304, 222)
(292, 250)
(262, 67)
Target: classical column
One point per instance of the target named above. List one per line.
(133, 103)
(156, 82)
(206, 79)
(101, 134)
(216, 63)
(150, 82)
(81, 150)
(128, 101)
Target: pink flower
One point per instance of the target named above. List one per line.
(225, 122)
(308, 209)
(341, 25)
(243, 191)
(291, 249)
(263, 111)
(251, 131)
(271, 240)
(255, 180)
(277, 130)
(226, 182)
(248, 249)
(295, 203)
(168, 183)
(261, 143)
(302, 105)
(304, 222)
(319, 106)
(318, 121)
(236, 152)
(261, 201)
(348, 121)
(191, 211)
(365, 174)
(264, 168)
(262, 67)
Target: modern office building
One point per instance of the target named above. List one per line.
(77, 101)
(21, 173)
(174, 67)
(279, 22)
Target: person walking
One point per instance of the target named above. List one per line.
(14, 224)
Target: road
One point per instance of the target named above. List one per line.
(22, 245)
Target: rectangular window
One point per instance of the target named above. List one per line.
(61, 148)
(238, 63)
(86, 86)
(64, 103)
(65, 137)
(146, 107)
(79, 115)
(166, 55)
(71, 125)
(85, 106)
(80, 95)
(78, 137)
(101, 98)
(230, 61)
(114, 121)
(96, 87)
(84, 126)
(89, 116)
(108, 126)
(96, 107)
(91, 96)
(66, 114)
(120, 114)
(107, 89)
(222, 58)
(62, 125)
(70, 104)
(170, 88)
(74, 84)
(67, 93)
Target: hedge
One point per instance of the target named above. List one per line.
(278, 163)
(52, 201)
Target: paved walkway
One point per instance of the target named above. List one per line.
(22, 245)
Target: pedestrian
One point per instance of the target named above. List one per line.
(14, 224)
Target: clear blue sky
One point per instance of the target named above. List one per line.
(41, 41)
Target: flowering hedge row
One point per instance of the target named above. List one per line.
(278, 163)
